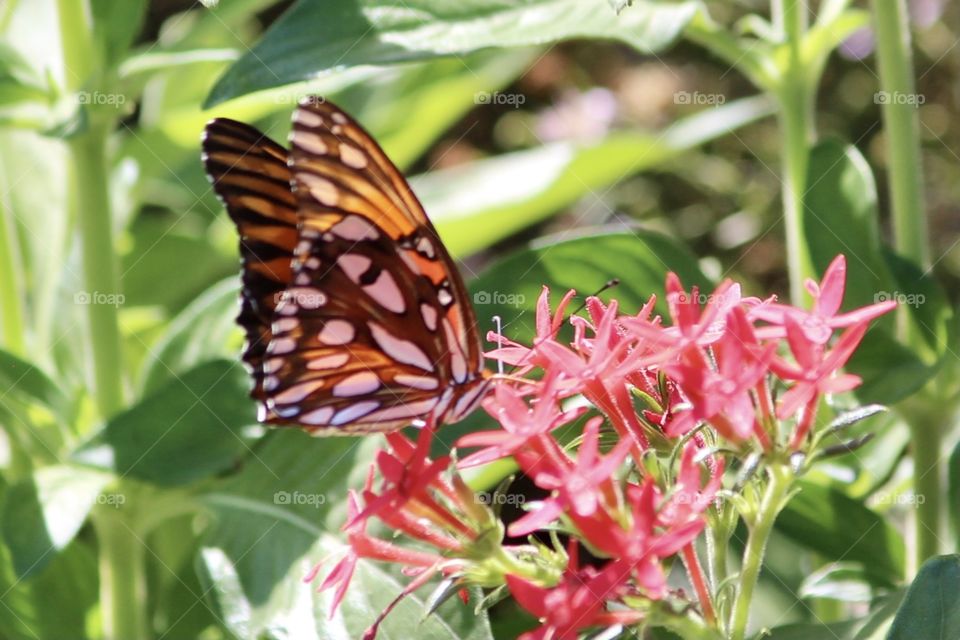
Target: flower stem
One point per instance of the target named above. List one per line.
(925, 443)
(121, 553)
(88, 154)
(122, 580)
(11, 281)
(779, 481)
(91, 201)
(901, 125)
(796, 128)
(908, 210)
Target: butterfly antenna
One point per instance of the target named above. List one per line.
(611, 283)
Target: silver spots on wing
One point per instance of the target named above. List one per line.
(352, 157)
(354, 412)
(337, 332)
(308, 141)
(358, 384)
(429, 314)
(403, 351)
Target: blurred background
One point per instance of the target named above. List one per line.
(504, 147)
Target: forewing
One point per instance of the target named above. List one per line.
(375, 329)
(250, 175)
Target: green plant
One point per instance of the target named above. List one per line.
(140, 496)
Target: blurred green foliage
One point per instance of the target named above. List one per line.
(486, 105)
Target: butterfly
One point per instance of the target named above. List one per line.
(355, 316)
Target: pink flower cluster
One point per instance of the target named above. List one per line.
(655, 404)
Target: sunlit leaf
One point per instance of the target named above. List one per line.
(314, 37)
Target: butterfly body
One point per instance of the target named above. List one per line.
(356, 317)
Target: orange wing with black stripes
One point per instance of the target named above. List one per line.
(356, 315)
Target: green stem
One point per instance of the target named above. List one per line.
(685, 627)
(121, 553)
(796, 125)
(122, 579)
(101, 294)
(91, 202)
(76, 40)
(12, 291)
(901, 125)
(925, 446)
(778, 487)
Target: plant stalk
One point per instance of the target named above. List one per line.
(91, 202)
(899, 102)
(91, 199)
(796, 119)
(928, 483)
(779, 481)
(122, 580)
(12, 291)
(121, 553)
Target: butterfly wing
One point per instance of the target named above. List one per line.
(250, 175)
(373, 329)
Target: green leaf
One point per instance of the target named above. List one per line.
(42, 515)
(931, 608)
(639, 258)
(841, 528)
(271, 513)
(859, 473)
(409, 111)
(151, 61)
(841, 217)
(15, 71)
(833, 631)
(190, 428)
(156, 246)
(478, 204)
(116, 25)
(302, 612)
(273, 523)
(55, 603)
(202, 331)
(873, 626)
(19, 377)
(313, 37)
(920, 293)
(842, 581)
(953, 471)
(176, 593)
(891, 371)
